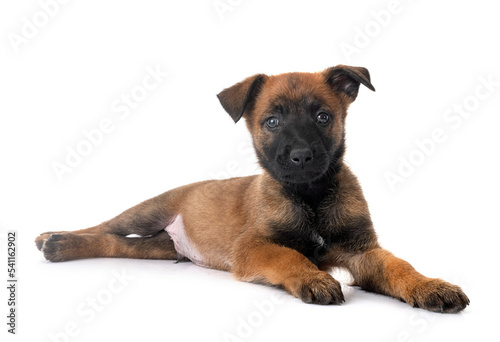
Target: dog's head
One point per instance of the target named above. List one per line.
(296, 119)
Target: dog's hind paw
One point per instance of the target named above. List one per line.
(58, 247)
(41, 239)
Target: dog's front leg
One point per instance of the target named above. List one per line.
(277, 265)
(380, 271)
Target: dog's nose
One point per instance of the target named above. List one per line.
(301, 156)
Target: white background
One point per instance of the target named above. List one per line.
(425, 59)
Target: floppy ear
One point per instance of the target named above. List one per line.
(236, 99)
(346, 79)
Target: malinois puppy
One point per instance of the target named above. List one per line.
(288, 226)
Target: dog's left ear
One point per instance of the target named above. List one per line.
(241, 96)
(346, 79)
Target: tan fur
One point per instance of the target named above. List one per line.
(231, 222)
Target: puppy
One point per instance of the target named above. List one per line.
(288, 226)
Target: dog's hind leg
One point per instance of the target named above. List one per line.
(70, 246)
(109, 239)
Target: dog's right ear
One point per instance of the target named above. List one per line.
(346, 80)
(240, 97)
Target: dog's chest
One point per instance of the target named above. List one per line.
(314, 233)
(312, 239)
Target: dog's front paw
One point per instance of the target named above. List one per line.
(318, 288)
(439, 296)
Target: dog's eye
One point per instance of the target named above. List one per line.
(322, 118)
(272, 122)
